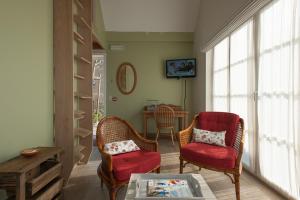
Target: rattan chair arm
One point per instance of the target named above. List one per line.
(106, 158)
(184, 136)
(140, 141)
(148, 143)
(145, 144)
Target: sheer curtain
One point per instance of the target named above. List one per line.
(233, 82)
(278, 95)
(242, 84)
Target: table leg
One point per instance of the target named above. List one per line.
(179, 123)
(20, 187)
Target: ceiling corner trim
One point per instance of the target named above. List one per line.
(249, 11)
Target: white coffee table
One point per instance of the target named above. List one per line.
(206, 193)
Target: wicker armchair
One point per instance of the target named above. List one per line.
(115, 170)
(164, 119)
(222, 159)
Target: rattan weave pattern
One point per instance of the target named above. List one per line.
(114, 130)
(239, 136)
(164, 116)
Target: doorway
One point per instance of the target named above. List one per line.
(99, 87)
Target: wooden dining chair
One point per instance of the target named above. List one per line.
(165, 119)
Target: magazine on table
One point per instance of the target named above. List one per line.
(168, 188)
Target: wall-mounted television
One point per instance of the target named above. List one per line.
(181, 68)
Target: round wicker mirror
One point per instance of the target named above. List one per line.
(126, 78)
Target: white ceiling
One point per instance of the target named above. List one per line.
(150, 15)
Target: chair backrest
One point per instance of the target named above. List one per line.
(164, 116)
(220, 121)
(112, 129)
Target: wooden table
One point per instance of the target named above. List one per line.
(180, 114)
(22, 169)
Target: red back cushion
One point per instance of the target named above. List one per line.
(220, 121)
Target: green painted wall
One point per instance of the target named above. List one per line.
(98, 23)
(147, 52)
(26, 78)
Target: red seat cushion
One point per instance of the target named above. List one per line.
(220, 121)
(134, 162)
(210, 155)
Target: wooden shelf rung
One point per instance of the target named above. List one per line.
(78, 35)
(80, 41)
(82, 59)
(79, 38)
(79, 4)
(81, 156)
(78, 152)
(85, 23)
(78, 114)
(82, 132)
(80, 20)
(82, 96)
(78, 157)
(79, 76)
(80, 148)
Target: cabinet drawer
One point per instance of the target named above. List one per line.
(44, 178)
(50, 191)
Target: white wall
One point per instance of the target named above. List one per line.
(150, 15)
(213, 16)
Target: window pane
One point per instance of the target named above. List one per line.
(297, 69)
(239, 105)
(278, 20)
(220, 83)
(238, 79)
(239, 44)
(221, 55)
(220, 104)
(220, 76)
(274, 73)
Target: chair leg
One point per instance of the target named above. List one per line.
(172, 136)
(158, 170)
(112, 193)
(101, 182)
(157, 134)
(237, 186)
(181, 166)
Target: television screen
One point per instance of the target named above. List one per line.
(181, 68)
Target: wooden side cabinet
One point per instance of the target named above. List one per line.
(38, 177)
